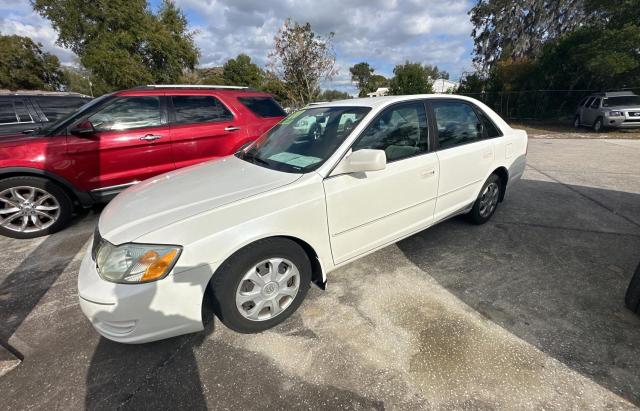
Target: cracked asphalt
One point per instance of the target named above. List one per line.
(524, 312)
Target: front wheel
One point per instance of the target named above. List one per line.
(598, 125)
(32, 207)
(487, 201)
(261, 285)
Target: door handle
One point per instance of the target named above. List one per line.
(428, 173)
(151, 137)
(232, 128)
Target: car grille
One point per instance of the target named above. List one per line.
(97, 242)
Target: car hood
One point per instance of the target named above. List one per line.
(174, 196)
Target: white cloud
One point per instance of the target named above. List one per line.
(381, 32)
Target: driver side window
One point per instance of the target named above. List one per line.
(457, 123)
(128, 113)
(401, 131)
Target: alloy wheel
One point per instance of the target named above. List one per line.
(267, 289)
(489, 199)
(27, 209)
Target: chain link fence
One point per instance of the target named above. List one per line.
(536, 105)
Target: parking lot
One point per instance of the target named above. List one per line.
(524, 312)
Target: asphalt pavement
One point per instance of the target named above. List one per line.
(524, 312)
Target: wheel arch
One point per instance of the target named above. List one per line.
(84, 199)
(503, 174)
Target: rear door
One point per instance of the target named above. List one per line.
(202, 128)
(131, 143)
(591, 112)
(466, 156)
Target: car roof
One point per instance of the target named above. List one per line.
(154, 89)
(41, 93)
(376, 102)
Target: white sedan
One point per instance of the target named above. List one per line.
(256, 228)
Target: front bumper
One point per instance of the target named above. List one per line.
(621, 122)
(139, 313)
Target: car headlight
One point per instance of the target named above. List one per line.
(616, 114)
(135, 263)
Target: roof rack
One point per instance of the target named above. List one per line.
(195, 86)
(5, 92)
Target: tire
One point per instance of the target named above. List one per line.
(597, 125)
(632, 297)
(576, 122)
(236, 298)
(491, 191)
(47, 198)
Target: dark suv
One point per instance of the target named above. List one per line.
(117, 140)
(30, 110)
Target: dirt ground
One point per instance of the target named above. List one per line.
(564, 129)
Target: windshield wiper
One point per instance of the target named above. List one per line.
(252, 158)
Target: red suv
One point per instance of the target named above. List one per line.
(116, 141)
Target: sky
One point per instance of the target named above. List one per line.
(381, 32)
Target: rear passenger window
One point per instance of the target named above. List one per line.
(596, 103)
(7, 113)
(55, 108)
(21, 112)
(490, 128)
(401, 131)
(457, 123)
(589, 101)
(263, 106)
(199, 109)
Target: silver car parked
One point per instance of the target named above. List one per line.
(620, 109)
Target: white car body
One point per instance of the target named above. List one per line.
(216, 208)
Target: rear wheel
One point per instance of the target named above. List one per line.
(487, 201)
(32, 207)
(261, 285)
(576, 121)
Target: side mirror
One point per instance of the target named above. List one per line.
(361, 161)
(84, 128)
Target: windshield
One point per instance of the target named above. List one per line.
(621, 101)
(304, 140)
(51, 128)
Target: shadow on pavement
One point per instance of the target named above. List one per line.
(553, 276)
(123, 375)
(23, 288)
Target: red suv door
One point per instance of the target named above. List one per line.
(130, 142)
(202, 128)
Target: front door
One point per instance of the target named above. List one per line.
(131, 143)
(369, 210)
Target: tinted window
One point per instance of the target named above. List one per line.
(489, 127)
(22, 112)
(400, 131)
(457, 123)
(583, 101)
(128, 112)
(199, 109)
(589, 101)
(54, 108)
(263, 106)
(7, 113)
(596, 103)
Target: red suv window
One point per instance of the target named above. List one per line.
(263, 106)
(199, 109)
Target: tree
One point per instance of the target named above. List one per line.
(242, 72)
(78, 80)
(301, 58)
(122, 42)
(410, 78)
(23, 65)
(361, 74)
(331, 95)
(505, 29)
